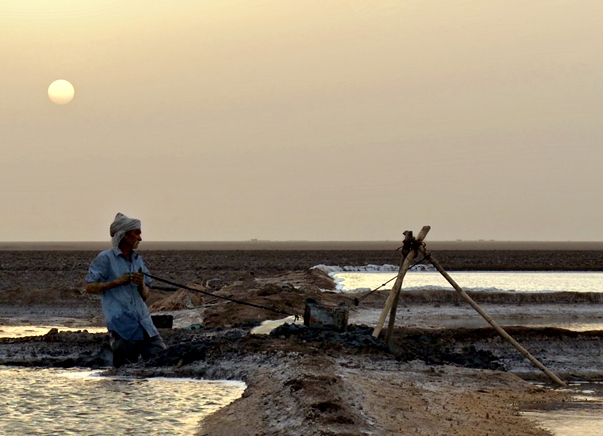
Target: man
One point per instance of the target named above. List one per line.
(115, 276)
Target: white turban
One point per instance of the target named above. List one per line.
(120, 226)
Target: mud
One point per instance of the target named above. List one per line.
(470, 348)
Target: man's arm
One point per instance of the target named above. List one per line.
(98, 287)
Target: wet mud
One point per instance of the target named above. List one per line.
(480, 348)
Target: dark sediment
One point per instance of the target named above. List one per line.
(480, 348)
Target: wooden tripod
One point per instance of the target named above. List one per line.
(410, 248)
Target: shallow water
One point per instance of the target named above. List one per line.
(577, 418)
(267, 326)
(582, 325)
(519, 281)
(590, 316)
(19, 331)
(40, 401)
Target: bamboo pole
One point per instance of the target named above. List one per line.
(408, 246)
(394, 294)
(406, 249)
(490, 321)
(392, 319)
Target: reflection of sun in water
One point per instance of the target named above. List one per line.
(61, 91)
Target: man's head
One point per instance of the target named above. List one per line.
(122, 226)
(131, 239)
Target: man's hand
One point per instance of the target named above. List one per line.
(137, 279)
(124, 279)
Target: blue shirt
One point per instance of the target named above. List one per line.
(124, 309)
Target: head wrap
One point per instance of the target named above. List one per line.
(120, 226)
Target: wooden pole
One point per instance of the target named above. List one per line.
(406, 249)
(394, 294)
(490, 321)
(392, 319)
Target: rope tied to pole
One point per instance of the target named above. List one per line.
(358, 300)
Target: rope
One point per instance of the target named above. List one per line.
(358, 300)
(178, 285)
(272, 309)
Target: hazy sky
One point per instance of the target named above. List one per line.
(318, 120)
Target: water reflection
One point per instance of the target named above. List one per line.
(19, 331)
(54, 401)
(584, 416)
(500, 281)
(558, 321)
(267, 326)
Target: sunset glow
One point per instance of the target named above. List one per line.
(61, 91)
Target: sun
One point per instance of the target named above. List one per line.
(61, 91)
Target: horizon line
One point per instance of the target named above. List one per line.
(221, 241)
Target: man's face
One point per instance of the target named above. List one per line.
(132, 238)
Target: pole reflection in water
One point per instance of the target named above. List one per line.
(39, 401)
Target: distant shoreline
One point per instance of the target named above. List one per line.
(304, 245)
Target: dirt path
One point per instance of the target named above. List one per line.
(319, 396)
